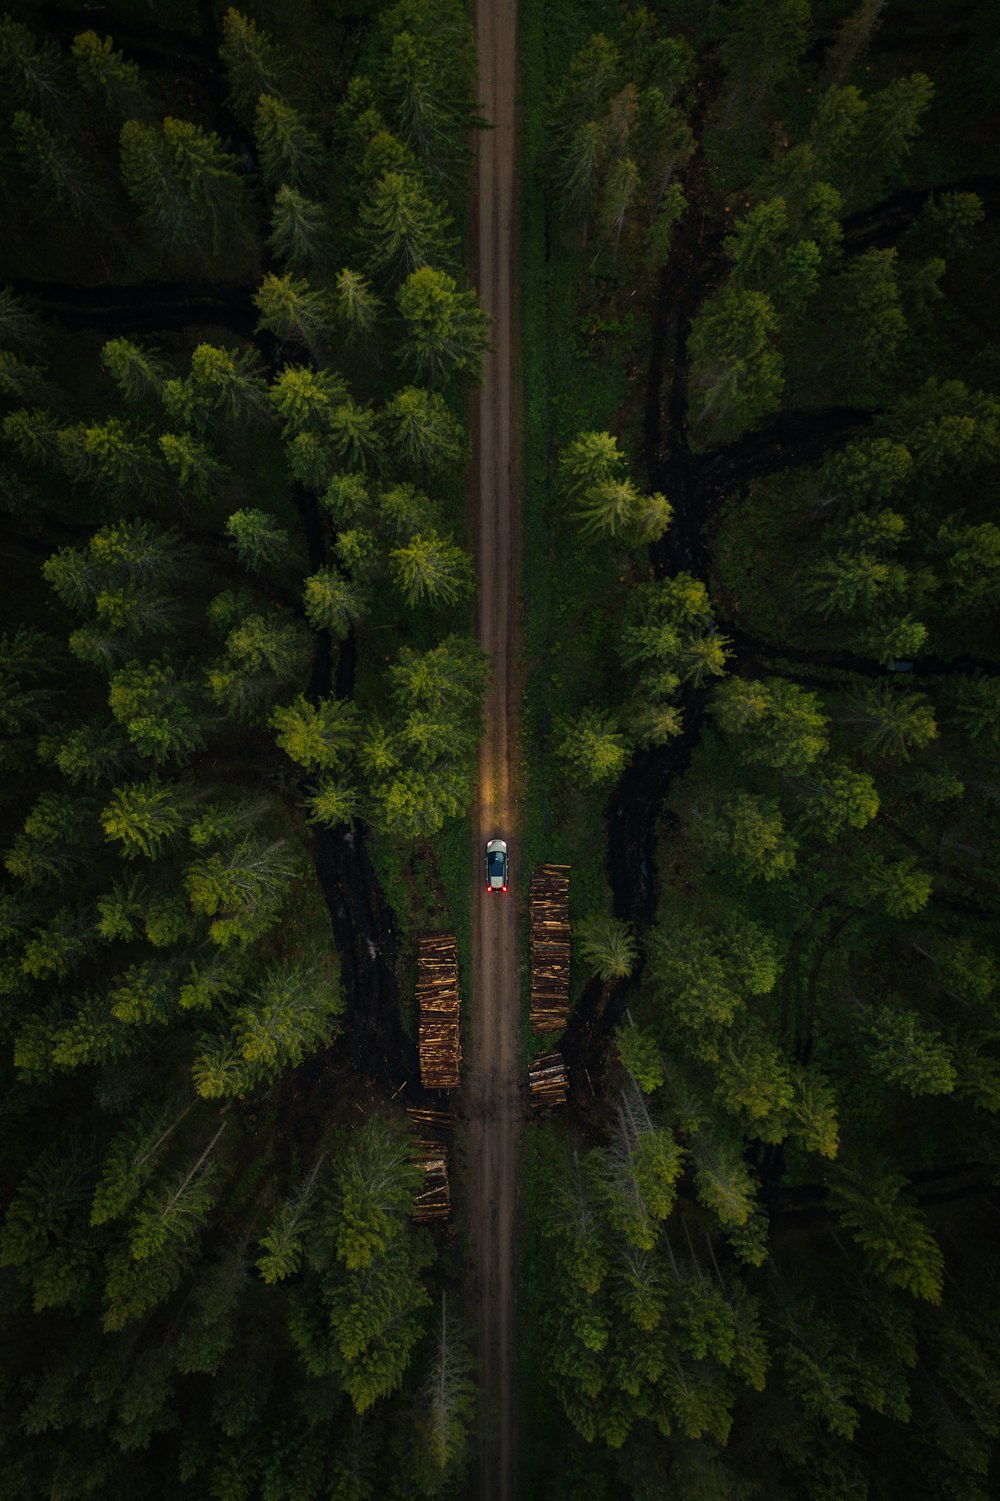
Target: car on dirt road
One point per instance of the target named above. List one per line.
(496, 865)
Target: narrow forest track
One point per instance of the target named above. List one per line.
(491, 1096)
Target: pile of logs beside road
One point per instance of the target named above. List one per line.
(439, 1000)
(433, 1198)
(550, 939)
(548, 1081)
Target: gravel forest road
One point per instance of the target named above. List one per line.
(491, 1097)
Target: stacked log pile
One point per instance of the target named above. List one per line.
(548, 1081)
(433, 1120)
(433, 1197)
(549, 898)
(439, 999)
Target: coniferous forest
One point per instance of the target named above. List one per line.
(242, 698)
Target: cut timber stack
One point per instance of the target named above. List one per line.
(548, 1081)
(433, 1197)
(435, 1120)
(550, 948)
(438, 997)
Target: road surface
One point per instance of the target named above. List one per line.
(491, 1081)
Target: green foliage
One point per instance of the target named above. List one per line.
(108, 76)
(422, 430)
(252, 63)
(259, 542)
(736, 372)
(332, 602)
(891, 1231)
(290, 309)
(773, 722)
(640, 1056)
(299, 232)
(445, 328)
(591, 746)
(604, 500)
(291, 154)
(403, 227)
(62, 177)
(608, 946)
(431, 569)
(906, 1052)
(185, 185)
(419, 765)
(752, 831)
(316, 736)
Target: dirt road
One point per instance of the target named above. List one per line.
(491, 1082)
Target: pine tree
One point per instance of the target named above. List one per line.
(754, 1083)
(131, 1159)
(332, 602)
(291, 310)
(241, 887)
(446, 1407)
(588, 460)
(137, 374)
(357, 305)
(260, 544)
(43, 1234)
(432, 569)
(402, 227)
(752, 830)
(291, 153)
(111, 456)
(53, 840)
(591, 746)
(62, 176)
(899, 886)
(108, 77)
(299, 231)
(21, 379)
(835, 797)
(316, 736)
(252, 63)
(198, 471)
(891, 1231)
(753, 247)
(891, 123)
(608, 946)
(221, 383)
(35, 434)
(176, 1212)
(445, 329)
(905, 1051)
(333, 803)
(283, 1243)
(814, 1113)
(356, 435)
(723, 1180)
(291, 1013)
(34, 76)
(151, 180)
(778, 723)
(893, 724)
(144, 816)
(209, 175)
(736, 373)
(429, 101)
(158, 709)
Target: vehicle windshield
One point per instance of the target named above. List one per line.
(494, 861)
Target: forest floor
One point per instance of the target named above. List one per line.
(491, 1097)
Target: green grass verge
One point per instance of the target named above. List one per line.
(569, 594)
